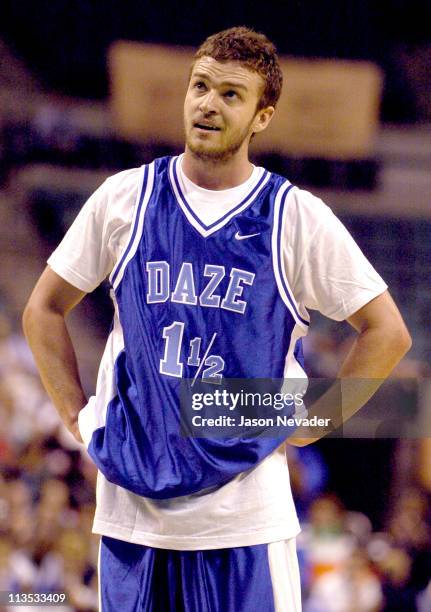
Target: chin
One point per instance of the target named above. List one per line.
(205, 152)
(212, 154)
(209, 155)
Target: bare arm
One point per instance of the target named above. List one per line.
(382, 341)
(46, 332)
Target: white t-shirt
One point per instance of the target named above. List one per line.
(326, 271)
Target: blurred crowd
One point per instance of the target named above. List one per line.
(348, 567)
(47, 485)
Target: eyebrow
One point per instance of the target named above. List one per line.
(235, 85)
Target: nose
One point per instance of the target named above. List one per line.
(207, 104)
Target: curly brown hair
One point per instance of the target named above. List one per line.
(253, 50)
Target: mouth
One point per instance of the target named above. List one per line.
(206, 127)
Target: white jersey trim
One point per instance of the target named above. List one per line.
(277, 256)
(99, 575)
(295, 377)
(137, 224)
(93, 415)
(285, 578)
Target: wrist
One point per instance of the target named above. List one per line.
(69, 412)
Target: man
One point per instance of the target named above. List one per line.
(213, 264)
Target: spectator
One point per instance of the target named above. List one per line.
(351, 587)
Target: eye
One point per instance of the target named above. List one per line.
(230, 94)
(199, 85)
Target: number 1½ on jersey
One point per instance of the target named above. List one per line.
(171, 364)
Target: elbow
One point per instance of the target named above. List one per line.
(405, 340)
(408, 342)
(31, 317)
(27, 318)
(401, 341)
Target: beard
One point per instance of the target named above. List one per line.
(205, 151)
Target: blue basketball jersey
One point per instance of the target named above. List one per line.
(199, 302)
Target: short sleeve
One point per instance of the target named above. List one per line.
(95, 240)
(326, 269)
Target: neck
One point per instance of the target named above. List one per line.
(216, 175)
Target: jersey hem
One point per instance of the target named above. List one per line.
(265, 536)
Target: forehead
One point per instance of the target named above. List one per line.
(227, 72)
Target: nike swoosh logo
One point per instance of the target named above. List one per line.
(239, 236)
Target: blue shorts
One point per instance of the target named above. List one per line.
(136, 578)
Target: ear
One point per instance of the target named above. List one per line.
(262, 119)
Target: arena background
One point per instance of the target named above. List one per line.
(363, 503)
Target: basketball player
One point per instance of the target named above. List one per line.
(213, 264)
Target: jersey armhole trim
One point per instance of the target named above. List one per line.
(137, 225)
(277, 255)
